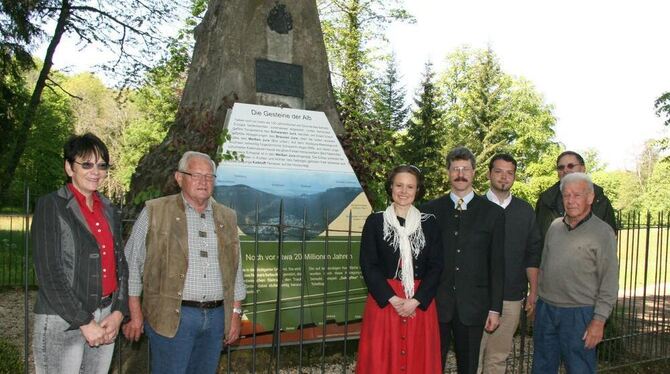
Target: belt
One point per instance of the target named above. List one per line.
(105, 302)
(202, 304)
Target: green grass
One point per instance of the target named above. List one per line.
(11, 359)
(12, 251)
(637, 266)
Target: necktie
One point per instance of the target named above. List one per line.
(459, 205)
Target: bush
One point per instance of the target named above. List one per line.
(11, 361)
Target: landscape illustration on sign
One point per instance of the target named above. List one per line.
(311, 199)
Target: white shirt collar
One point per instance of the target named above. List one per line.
(492, 197)
(466, 199)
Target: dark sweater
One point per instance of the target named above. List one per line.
(523, 247)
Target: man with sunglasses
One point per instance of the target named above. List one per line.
(550, 203)
(184, 259)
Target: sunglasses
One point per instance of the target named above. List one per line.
(86, 165)
(569, 166)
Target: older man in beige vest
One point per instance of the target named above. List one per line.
(184, 260)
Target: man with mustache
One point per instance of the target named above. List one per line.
(469, 298)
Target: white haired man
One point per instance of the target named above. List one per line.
(578, 283)
(184, 258)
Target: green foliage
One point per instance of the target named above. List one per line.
(422, 144)
(536, 176)
(662, 105)
(148, 194)
(388, 98)
(592, 161)
(621, 187)
(17, 32)
(656, 196)
(11, 360)
(350, 27)
(227, 155)
(104, 112)
(41, 166)
(129, 29)
(14, 96)
(489, 111)
(138, 138)
(644, 189)
(156, 101)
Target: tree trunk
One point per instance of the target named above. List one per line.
(231, 39)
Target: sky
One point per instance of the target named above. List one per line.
(601, 64)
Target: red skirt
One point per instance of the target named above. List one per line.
(393, 344)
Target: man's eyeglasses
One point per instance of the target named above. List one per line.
(199, 177)
(569, 166)
(460, 169)
(87, 165)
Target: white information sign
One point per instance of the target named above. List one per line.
(293, 156)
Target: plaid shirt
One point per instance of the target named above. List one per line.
(203, 277)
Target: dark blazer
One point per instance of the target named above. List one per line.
(379, 261)
(67, 259)
(474, 261)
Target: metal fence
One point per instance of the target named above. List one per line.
(637, 331)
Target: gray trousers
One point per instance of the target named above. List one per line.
(63, 352)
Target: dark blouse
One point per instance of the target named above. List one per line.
(379, 261)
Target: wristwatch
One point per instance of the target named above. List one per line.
(237, 311)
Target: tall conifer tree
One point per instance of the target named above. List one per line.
(424, 141)
(388, 98)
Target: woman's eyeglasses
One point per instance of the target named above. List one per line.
(86, 165)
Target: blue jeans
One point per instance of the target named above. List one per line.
(557, 336)
(196, 348)
(59, 350)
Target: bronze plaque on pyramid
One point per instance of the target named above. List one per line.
(279, 78)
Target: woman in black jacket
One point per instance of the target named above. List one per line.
(80, 267)
(401, 262)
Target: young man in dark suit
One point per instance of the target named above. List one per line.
(469, 298)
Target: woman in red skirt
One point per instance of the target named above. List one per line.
(401, 262)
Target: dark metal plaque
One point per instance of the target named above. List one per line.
(279, 19)
(279, 78)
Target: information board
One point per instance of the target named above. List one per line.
(291, 160)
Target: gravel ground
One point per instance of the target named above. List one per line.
(12, 329)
